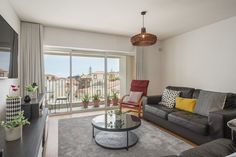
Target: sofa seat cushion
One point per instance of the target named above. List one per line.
(159, 110)
(191, 121)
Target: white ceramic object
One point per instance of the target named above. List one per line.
(34, 95)
(13, 134)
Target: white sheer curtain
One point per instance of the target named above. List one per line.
(31, 56)
(139, 63)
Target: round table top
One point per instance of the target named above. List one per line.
(116, 122)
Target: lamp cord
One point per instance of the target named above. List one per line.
(143, 20)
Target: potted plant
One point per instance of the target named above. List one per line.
(96, 100)
(85, 100)
(108, 100)
(31, 88)
(13, 128)
(115, 98)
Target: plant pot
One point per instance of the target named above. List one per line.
(13, 134)
(96, 103)
(85, 104)
(108, 103)
(27, 99)
(115, 102)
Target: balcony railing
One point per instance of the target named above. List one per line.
(75, 88)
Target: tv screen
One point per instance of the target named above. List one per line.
(8, 50)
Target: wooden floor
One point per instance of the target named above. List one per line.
(52, 141)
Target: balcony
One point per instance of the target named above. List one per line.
(71, 90)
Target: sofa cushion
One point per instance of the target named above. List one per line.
(168, 98)
(185, 104)
(194, 122)
(196, 93)
(186, 92)
(209, 102)
(217, 148)
(230, 100)
(159, 110)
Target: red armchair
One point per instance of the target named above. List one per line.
(136, 86)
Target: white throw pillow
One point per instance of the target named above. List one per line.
(168, 98)
(135, 96)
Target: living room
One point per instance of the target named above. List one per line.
(66, 67)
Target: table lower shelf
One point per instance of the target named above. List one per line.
(116, 140)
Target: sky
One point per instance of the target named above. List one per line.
(4, 60)
(60, 65)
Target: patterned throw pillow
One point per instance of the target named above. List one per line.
(168, 98)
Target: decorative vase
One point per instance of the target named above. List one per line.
(13, 107)
(96, 103)
(85, 104)
(12, 134)
(108, 102)
(34, 95)
(27, 99)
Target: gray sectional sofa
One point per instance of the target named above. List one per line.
(196, 128)
(217, 148)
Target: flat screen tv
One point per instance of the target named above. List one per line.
(8, 50)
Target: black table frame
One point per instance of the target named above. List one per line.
(127, 130)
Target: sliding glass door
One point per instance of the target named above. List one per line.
(113, 80)
(57, 82)
(88, 80)
(76, 81)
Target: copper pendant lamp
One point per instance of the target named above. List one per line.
(143, 38)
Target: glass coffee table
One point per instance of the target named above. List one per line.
(115, 130)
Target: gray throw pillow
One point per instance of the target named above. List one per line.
(209, 102)
(168, 98)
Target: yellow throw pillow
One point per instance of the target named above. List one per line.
(185, 104)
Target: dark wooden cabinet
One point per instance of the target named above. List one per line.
(33, 139)
(33, 109)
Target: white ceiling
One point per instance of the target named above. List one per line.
(165, 18)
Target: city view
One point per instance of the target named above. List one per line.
(88, 78)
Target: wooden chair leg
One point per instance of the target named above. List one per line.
(139, 110)
(139, 113)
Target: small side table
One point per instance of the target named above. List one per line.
(232, 125)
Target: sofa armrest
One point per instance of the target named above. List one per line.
(220, 147)
(218, 122)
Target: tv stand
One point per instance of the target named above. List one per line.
(32, 142)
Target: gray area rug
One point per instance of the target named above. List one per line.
(75, 140)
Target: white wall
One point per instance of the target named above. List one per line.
(11, 17)
(152, 69)
(204, 58)
(86, 40)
